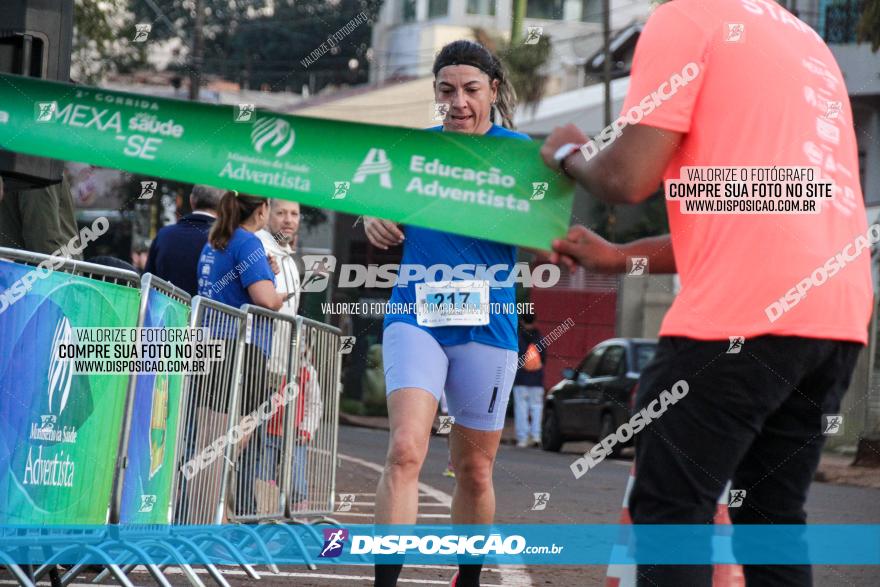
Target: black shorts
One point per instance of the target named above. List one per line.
(756, 418)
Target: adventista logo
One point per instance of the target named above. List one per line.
(60, 373)
(375, 163)
(334, 542)
(60, 378)
(277, 132)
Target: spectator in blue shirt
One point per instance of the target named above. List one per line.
(175, 251)
(235, 270)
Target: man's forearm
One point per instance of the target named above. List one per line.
(628, 170)
(658, 250)
(586, 172)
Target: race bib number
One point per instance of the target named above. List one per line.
(452, 303)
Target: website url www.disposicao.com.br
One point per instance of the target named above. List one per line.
(479, 544)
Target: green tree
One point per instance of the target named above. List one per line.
(523, 62)
(270, 50)
(256, 46)
(101, 40)
(175, 19)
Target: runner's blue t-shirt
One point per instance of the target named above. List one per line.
(427, 247)
(225, 275)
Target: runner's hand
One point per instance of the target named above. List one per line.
(539, 255)
(584, 247)
(382, 233)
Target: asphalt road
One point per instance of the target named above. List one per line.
(520, 473)
(594, 498)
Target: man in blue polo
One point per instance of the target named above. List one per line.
(175, 251)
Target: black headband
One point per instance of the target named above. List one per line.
(466, 62)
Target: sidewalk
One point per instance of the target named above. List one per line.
(833, 468)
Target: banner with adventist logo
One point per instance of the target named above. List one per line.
(489, 187)
(152, 441)
(59, 431)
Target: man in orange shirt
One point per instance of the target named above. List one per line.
(775, 296)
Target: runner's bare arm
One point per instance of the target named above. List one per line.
(626, 171)
(584, 247)
(382, 233)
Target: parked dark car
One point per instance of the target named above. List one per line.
(597, 396)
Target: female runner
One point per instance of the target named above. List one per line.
(474, 363)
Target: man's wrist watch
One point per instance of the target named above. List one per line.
(562, 154)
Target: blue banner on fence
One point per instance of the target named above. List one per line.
(149, 476)
(499, 544)
(59, 430)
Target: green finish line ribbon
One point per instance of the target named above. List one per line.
(488, 187)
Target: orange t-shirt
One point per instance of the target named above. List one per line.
(768, 92)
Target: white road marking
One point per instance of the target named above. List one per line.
(424, 488)
(360, 515)
(516, 576)
(372, 504)
(510, 575)
(486, 570)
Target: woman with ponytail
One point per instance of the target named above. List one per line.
(475, 362)
(235, 270)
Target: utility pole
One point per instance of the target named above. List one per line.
(246, 78)
(606, 80)
(606, 59)
(198, 50)
(516, 22)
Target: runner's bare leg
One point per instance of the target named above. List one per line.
(410, 415)
(473, 459)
